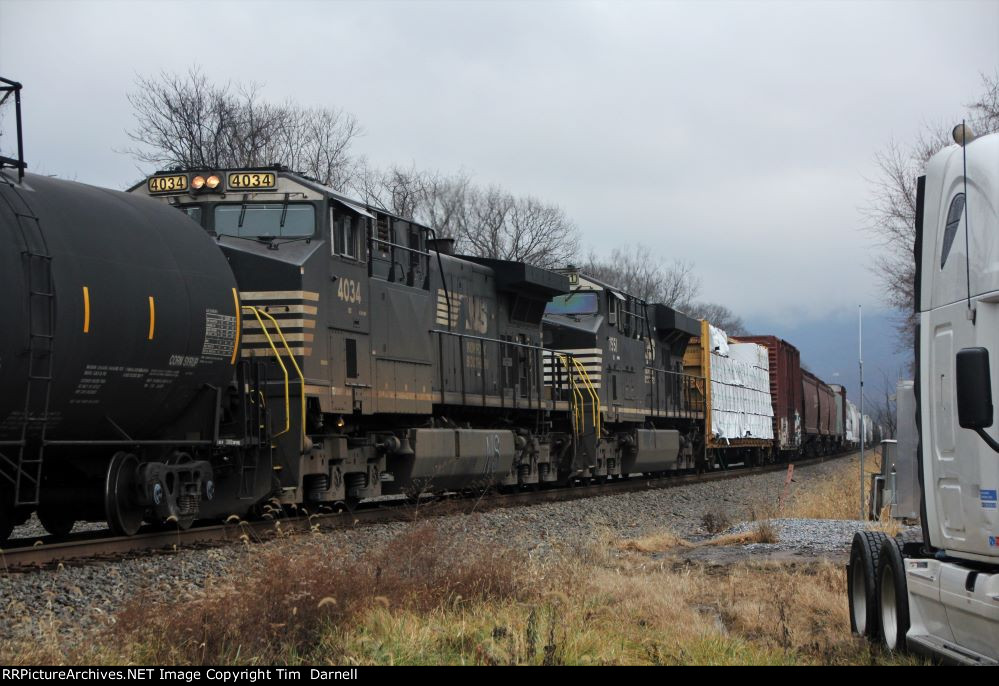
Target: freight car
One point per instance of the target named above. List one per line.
(785, 392)
(122, 394)
(736, 392)
(810, 416)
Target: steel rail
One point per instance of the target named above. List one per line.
(43, 552)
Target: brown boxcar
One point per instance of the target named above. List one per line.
(840, 432)
(811, 409)
(819, 403)
(785, 389)
(827, 410)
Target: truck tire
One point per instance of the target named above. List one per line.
(893, 597)
(861, 583)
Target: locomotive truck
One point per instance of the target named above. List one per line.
(940, 595)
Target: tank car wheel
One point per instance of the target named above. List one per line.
(57, 522)
(123, 515)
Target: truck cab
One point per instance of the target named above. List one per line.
(940, 596)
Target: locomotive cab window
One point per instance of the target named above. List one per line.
(350, 237)
(613, 307)
(258, 220)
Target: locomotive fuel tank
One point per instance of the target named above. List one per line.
(135, 304)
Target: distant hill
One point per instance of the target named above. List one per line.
(829, 348)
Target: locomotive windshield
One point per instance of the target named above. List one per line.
(573, 303)
(260, 220)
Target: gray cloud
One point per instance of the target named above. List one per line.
(736, 135)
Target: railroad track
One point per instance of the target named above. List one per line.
(39, 553)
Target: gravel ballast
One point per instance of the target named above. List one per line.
(80, 596)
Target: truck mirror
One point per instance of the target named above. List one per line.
(974, 389)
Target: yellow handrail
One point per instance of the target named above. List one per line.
(277, 355)
(298, 370)
(577, 410)
(593, 394)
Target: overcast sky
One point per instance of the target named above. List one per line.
(734, 135)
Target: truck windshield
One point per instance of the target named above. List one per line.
(573, 303)
(259, 220)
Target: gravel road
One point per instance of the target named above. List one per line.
(78, 596)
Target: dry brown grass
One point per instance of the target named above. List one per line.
(660, 542)
(430, 598)
(286, 600)
(836, 496)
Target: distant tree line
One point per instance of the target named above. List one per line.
(189, 121)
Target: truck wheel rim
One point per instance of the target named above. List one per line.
(889, 611)
(859, 597)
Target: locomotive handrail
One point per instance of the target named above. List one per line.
(593, 393)
(577, 408)
(298, 370)
(685, 403)
(277, 356)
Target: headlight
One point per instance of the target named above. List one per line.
(213, 181)
(198, 182)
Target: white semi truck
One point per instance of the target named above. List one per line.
(940, 596)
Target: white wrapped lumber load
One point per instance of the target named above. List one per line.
(736, 387)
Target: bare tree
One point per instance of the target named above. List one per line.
(317, 142)
(188, 121)
(719, 316)
(485, 222)
(637, 271)
(891, 211)
(535, 232)
(884, 405)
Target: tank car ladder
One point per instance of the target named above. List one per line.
(27, 477)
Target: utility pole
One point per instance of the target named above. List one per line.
(863, 425)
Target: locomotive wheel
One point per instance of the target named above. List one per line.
(57, 522)
(123, 515)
